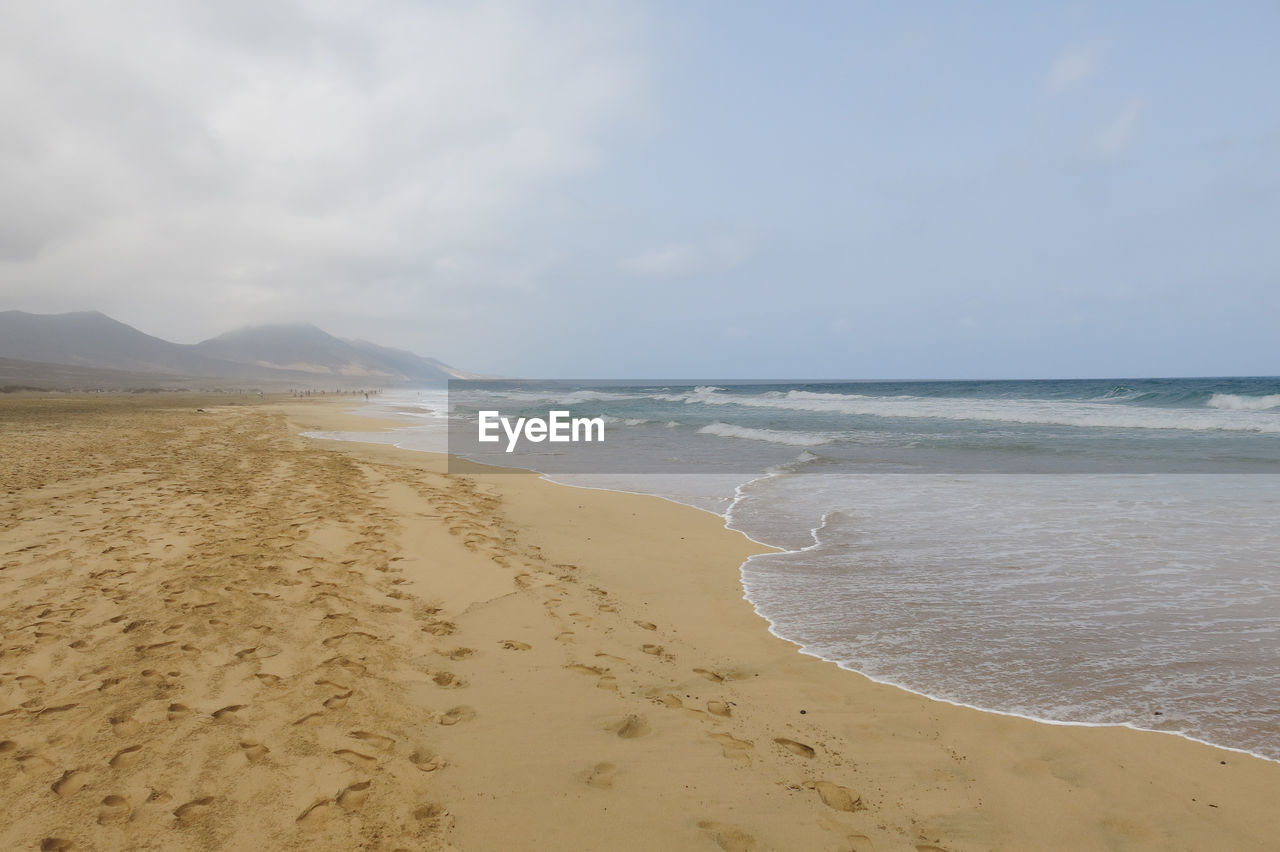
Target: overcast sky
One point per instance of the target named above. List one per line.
(660, 189)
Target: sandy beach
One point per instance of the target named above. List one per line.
(217, 634)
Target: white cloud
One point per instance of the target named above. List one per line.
(1071, 68)
(1113, 137)
(682, 259)
(239, 161)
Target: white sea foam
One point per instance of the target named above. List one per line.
(1235, 402)
(1087, 599)
(547, 395)
(701, 393)
(773, 436)
(1249, 416)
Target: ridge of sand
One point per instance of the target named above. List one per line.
(217, 634)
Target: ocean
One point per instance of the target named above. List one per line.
(1101, 552)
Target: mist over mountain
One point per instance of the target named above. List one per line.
(303, 348)
(297, 354)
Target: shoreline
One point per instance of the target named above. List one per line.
(221, 634)
(727, 519)
(803, 649)
(996, 717)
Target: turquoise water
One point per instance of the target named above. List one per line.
(1093, 552)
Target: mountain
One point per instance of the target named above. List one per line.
(307, 349)
(408, 364)
(91, 339)
(297, 355)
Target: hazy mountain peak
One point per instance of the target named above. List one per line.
(298, 352)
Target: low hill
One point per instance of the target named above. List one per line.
(299, 355)
(91, 339)
(307, 349)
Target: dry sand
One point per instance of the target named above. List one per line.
(216, 634)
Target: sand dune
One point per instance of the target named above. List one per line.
(216, 634)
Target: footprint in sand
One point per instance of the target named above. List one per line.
(352, 797)
(718, 708)
(114, 810)
(229, 711)
(513, 645)
(655, 650)
(338, 687)
(92, 673)
(254, 751)
(350, 666)
(377, 741)
(315, 814)
(647, 625)
(33, 764)
(178, 712)
(836, 797)
(430, 814)
(71, 781)
(55, 844)
(795, 747)
(586, 670)
(357, 759)
(734, 748)
(632, 727)
(193, 810)
(461, 713)
(730, 838)
(426, 759)
(124, 726)
(717, 677)
(352, 638)
(125, 757)
(448, 680)
(611, 657)
(337, 702)
(601, 776)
